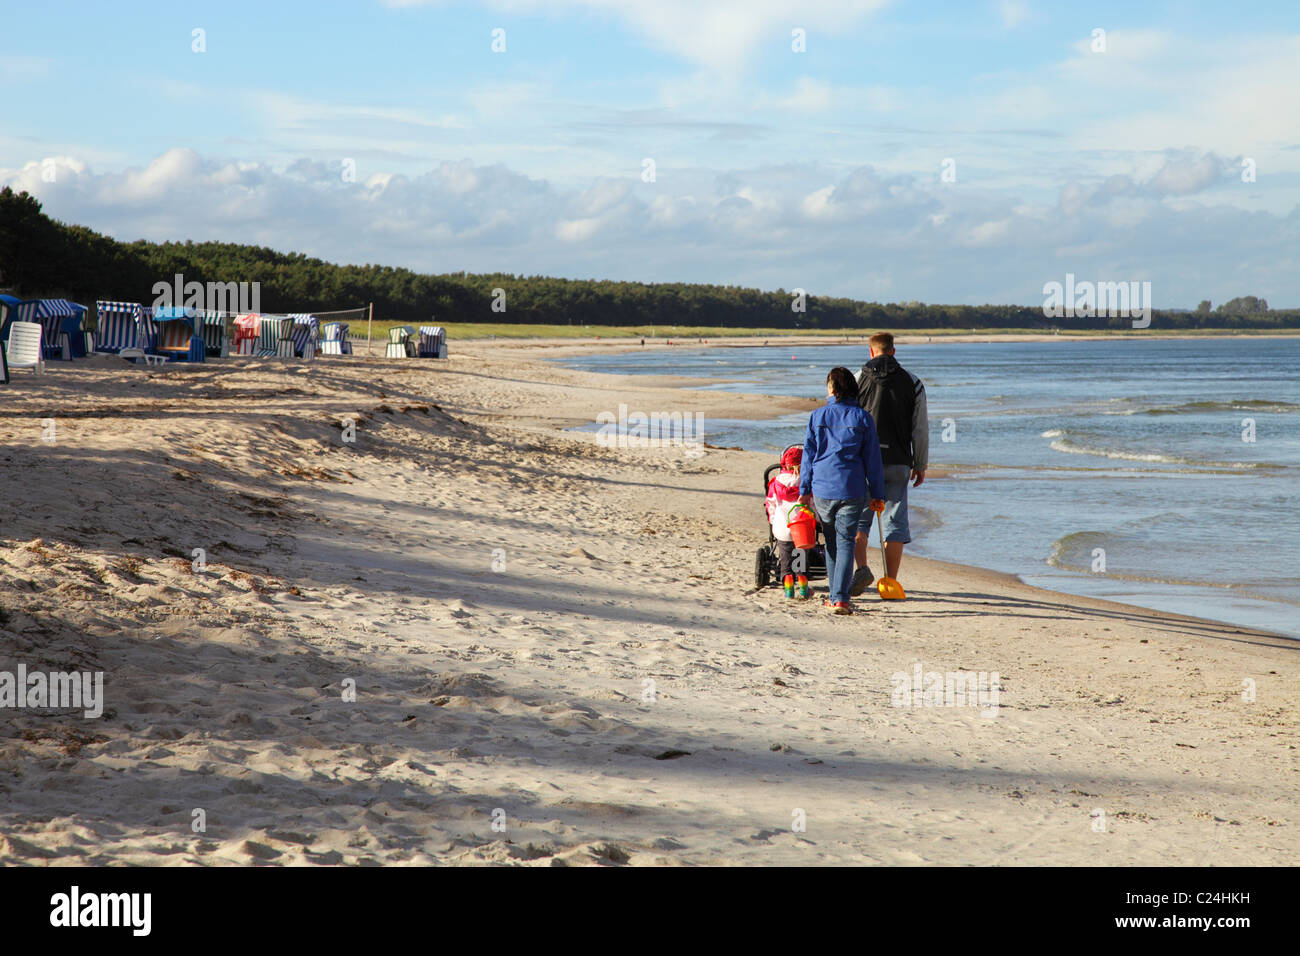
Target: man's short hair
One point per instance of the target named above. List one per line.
(882, 342)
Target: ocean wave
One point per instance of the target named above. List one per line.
(1077, 551)
(929, 519)
(1244, 405)
(1052, 433)
(1068, 447)
(1074, 552)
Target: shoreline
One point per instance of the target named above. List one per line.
(503, 596)
(567, 347)
(750, 402)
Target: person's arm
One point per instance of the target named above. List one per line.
(920, 435)
(809, 454)
(871, 462)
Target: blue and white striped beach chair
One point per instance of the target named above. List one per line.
(7, 302)
(118, 325)
(306, 334)
(60, 322)
(147, 331)
(334, 339)
(433, 342)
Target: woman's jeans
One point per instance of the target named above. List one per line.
(839, 518)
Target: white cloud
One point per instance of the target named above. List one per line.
(17, 68)
(722, 35)
(297, 113)
(808, 96)
(817, 204)
(1013, 13)
(857, 232)
(987, 233)
(1180, 176)
(1156, 91)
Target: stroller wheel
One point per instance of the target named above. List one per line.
(762, 570)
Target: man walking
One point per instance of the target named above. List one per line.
(895, 400)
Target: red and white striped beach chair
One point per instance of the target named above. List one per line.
(246, 334)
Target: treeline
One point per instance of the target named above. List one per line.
(42, 257)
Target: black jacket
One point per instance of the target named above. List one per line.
(895, 400)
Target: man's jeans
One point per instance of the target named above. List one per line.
(839, 518)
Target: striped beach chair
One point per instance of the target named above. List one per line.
(246, 332)
(176, 336)
(7, 302)
(147, 331)
(60, 322)
(270, 331)
(399, 342)
(117, 325)
(334, 339)
(306, 334)
(216, 338)
(432, 342)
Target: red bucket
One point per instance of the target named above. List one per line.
(803, 526)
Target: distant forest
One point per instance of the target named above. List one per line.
(41, 257)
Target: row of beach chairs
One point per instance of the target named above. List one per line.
(58, 320)
(405, 342)
(128, 327)
(285, 336)
(39, 330)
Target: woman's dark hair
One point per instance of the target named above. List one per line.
(842, 383)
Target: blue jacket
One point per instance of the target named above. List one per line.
(841, 455)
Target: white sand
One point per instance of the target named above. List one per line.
(523, 689)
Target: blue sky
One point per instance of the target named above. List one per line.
(819, 169)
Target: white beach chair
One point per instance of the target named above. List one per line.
(398, 342)
(24, 346)
(334, 339)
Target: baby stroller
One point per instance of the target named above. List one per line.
(766, 563)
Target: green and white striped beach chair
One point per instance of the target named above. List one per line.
(399, 342)
(275, 336)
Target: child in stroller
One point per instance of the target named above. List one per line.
(793, 566)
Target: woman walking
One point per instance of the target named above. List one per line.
(841, 466)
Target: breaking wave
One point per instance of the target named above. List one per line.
(1068, 447)
(1245, 405)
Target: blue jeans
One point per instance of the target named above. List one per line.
(839, 518)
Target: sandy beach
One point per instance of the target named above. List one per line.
(466, 637)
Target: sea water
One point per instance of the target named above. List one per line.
(1163, 473)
